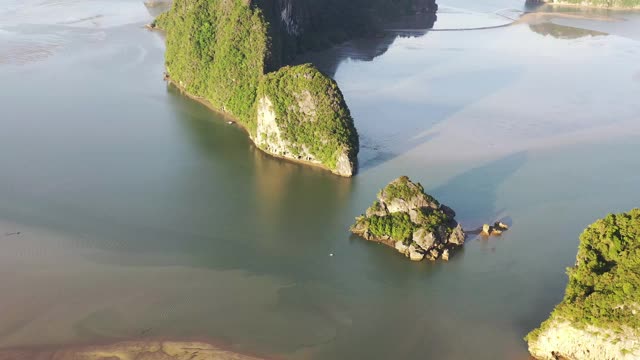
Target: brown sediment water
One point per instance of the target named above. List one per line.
(125, 350)
(545, 16)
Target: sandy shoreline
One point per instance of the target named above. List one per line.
(541, 16)
(39, 322)
(129, 350)
(584, 6)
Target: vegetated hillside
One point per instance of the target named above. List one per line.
(600, 313)
(222, 50)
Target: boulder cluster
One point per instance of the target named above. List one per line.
(414, 223)
(494, 230)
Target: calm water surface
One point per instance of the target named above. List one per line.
(143, 214)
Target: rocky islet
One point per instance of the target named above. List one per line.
(599, 317)
(412, 222)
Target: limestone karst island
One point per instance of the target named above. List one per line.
(319, 179)
(414, 223)
(599, 317)
(231, 54)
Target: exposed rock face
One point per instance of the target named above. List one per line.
(268, 133)
(457, 236)
(416, 253)
(424, 238)
(412, 222)
(561, 340)
(302, 116)
(269, 138)
(497, 229)
(599, 317)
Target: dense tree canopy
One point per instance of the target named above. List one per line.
(604, 285)
(216, 50)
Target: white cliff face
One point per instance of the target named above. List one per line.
(344, 166)
(269, 137)
(561, 340)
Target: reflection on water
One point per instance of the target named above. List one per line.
(563, 32)
(367, 49)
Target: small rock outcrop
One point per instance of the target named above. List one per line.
(494, 230)
(407, 219)
(599, 317)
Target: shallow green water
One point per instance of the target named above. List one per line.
(143, 214)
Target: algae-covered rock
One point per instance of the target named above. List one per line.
(404, 214)
(599, 317)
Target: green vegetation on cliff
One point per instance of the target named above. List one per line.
(397, 226)
(311, 113)
(404, 189)
(604, 285)
(411, 221)
(216, 49)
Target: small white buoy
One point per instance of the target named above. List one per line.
(229, 122)
(331, 254)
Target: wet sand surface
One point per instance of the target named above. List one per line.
(129, 350)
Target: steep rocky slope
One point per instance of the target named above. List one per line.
(412, 222)
(599, 317)
(302, 115)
